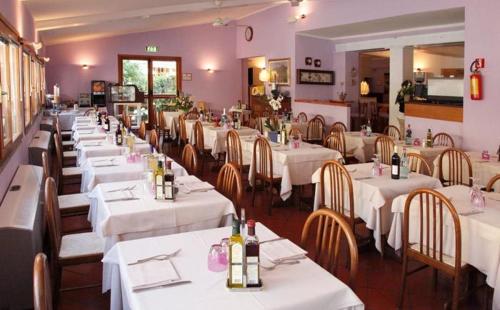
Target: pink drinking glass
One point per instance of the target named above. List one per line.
(217, 259)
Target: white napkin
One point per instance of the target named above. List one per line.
(85, 132)
(197, 187)
(152, 274)
(92, 143)
(281, 249)
(103, 163)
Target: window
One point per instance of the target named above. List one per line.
(15, 91)
(5, 88)
(26, 89)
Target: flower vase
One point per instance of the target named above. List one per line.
(273, 136)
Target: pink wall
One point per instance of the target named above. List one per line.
(316, 49)
(15, 12)
(199, 46)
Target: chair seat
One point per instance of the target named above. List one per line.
(71, 171)
(80, 245)
(74, 204)
(66, 132)
(68, 143)
(449, 260)
(70, 154)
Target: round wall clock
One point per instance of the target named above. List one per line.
(249, 33)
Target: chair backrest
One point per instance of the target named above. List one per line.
(491, 183)
(393, 132)
(230, 184)
(337, 126)
(368, 107)
(192, 115)
(252, 122)
(315, 129)
(161, 120)
(127, 121)
(336, 191)
(455, 168)
(295, 132)
(45, 165)
(334, 142)
(199, 138)
(233, 149)
(384, 147)
(201, 106)
(42, 287)
(58, 130)
(190, 159)
(417, 163)
(53, 216)
(443, 139)
(87, 113)
(142, 130)
(302, 117)
(262, 158)
(331, 227)
(182, 128)
(426, 208)
(322, 118)
(153, 140)
(59, 157)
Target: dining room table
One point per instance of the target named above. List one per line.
(67, 116)
(361, 146)
(480, 231)
(482, 169)
(172, 122)
(295, 166)
(304, 285)
(98, 148)
(86, 128)
(302, 126)
(106, 169)
(428, 153)
(373, 195)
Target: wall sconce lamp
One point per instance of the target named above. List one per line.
(294, 19)
(264, 75)
(210, 70)
(85, 67)
(364, 88)
(46, 59)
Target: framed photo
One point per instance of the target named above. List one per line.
(317, 63)
(279, 71)
(309, 61)
(187, 76)
(315, 77)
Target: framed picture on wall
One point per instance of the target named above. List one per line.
(315, 77)
(279, 71)
(187, 76)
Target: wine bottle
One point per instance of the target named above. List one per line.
(405, 169)
(119, 135)
(99, 119)
(395, 168)
(169, 182)
(428, 141)
(236, 257)
(252, 256)
(243, 228)
(159, 182)
(107, 124)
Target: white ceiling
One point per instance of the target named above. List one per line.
(450, 50)
(389, 25)
(62, 21)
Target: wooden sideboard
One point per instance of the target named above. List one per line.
(260, 106)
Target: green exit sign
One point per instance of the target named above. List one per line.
(152, 49)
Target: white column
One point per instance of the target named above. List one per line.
(401, 68)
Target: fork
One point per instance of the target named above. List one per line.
(156, 257)
(277, 263)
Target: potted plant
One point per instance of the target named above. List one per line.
(405, 94)
(272, 123)
(183, 103)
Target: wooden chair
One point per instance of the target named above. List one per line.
(337, 126)
(428, 246)
(190, 159)
(333, 142)
(393, 132)
(72, 204)
(491, 183)
(230, 184)
(127, 121)
(183, 138)
(199, 139)
(68, 250)
(315, 130)
(153, 140)
(161, 127)
(295, 132)
(87, 113)
(67, 146)
(42, 287)
(142, 130)
(322, 118)
(417, 163)
(384, 147)
(302, 117)
(453, 174)
(65, 175)
(443, 139)
(234, 154)
(336, 192)
(262, 169)
(330, 228)
(64, 134)
(192, 115)
(368, 108)
(252, 122)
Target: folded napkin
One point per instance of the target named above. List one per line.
(85, 132)
(281, 249)
(196, 187)
(151, 274)
(103, 163)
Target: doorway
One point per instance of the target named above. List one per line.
(159, 77)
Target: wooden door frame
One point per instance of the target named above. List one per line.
(150, 95)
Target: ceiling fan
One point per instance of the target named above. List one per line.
(220, 21)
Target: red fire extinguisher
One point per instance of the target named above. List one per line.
(476, 80)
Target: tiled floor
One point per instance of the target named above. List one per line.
(377, 284)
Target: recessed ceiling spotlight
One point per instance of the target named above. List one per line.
(295, 2)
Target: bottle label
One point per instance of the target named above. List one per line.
(159, 187)
(169, 190)
(236, 274)
(395, 169)
(236, 254)
(252, 270)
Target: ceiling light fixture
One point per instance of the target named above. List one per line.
(85, 67)
(295, 2)
(294, 19)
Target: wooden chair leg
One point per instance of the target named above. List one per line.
(456, 294)
(403, 282)
(434, 278)
(270, 207)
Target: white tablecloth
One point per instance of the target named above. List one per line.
(120, 171)
(90, 148)
(362, 147)
(288, 287)
(480, 233)
(215, 137)
(429, 153)
(373, 196)
(67, 117)
(295, 166)
(172, 122)
(483, 170)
